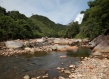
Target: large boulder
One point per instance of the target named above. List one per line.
(70, 41)
(96, 41)
(74, 48)
(102, 47)
(60, 46)
(40, 40)
(100, 43)
(50, 40)
(13, 44)
(56, 40)
(38, 44)
(76, 42)
(63, 41)
(97, 53)
(53, 47)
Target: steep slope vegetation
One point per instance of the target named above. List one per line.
(48, 27)
(14, 25)
(96, 19)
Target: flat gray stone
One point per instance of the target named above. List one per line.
(13, 44)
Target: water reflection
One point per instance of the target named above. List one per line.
(15, 67)
(82, 52)
(36, 54)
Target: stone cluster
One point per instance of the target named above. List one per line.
(38, 77)
(31, 46)
(89, 68)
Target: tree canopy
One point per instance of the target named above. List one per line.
(95, 21)
(14, 25)
(72, 29)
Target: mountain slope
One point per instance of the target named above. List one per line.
(14, 25)
(47, 26)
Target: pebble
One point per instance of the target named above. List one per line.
(58, 68)
(60, 77)
(89, 68)
(33, 78)
(38, 77)
(92, 68)
(71, 76)
(45, 76)
(67, 72)
(62, 63)
(72, 66)
(26, 77)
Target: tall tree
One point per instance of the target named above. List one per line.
(72, 29)
(95, 21)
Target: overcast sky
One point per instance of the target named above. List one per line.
(59, 11)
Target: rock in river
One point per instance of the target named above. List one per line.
(26, 77)
(13, 44)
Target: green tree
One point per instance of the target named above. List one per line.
(72, 29)
(95, 21)
(14, 25)
(2, 11)
(6, 26)
(16, 15)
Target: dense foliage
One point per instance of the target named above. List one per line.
(96, 19)
(72, 30)
(14, 25)
(48, 27)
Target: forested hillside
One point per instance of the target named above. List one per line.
(14, 25)
(96, 19)
(48, 27)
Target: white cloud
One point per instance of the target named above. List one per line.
(59, 11)
(79, 18)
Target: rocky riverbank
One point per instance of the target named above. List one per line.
(94, 67)
(88, 68)
(32, 46)
(100, 46)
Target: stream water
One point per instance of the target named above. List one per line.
(41, 63)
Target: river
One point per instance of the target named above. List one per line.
(41, 63)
